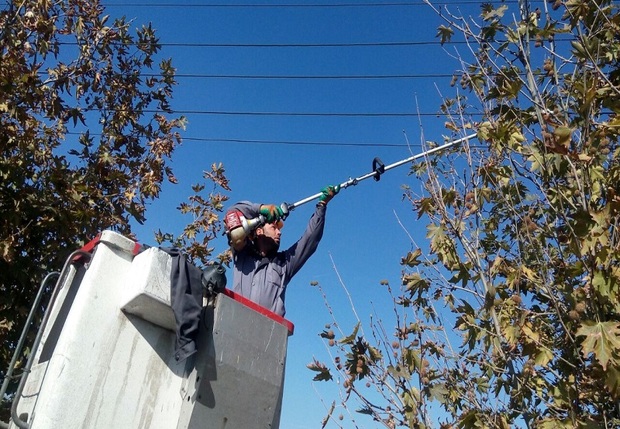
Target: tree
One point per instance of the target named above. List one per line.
(205, 224)
(511, 314)
(85, 142)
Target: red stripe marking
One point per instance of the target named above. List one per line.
(262, 310)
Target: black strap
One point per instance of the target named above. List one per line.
(378, 168)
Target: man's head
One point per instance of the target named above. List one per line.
(267, 237)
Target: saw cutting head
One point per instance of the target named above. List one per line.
(213, 279)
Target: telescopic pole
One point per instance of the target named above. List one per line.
(379, 169)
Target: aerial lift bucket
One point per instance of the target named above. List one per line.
(105, 354)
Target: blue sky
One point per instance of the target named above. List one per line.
(283, 139)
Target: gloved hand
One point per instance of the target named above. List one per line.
(271, 212)
(328, 193)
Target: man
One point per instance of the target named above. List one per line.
(261, 271)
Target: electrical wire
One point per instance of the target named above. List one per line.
(295, 5)
(310, 77)
(306, 143)
(306, 114)
(291, 45)
(289, 142)
(290, 114)
(292, 143)
(298, 77)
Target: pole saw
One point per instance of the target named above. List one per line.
(238, 227)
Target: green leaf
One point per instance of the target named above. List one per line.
(411, 260)
(490, 14)
(425, 206)
(437, 235)
(375, 354)
(601, 283)
(543, 356)
(612, 381)
(398, 372)
(323, 372)
(439, 391)
(602, 340)
(350, 338)
(563, 135)
(415, 283)
(555, 423)
(444, 33)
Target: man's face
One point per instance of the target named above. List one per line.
(269, 237)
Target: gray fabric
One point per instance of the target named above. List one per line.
(264, 280)
(186, 302)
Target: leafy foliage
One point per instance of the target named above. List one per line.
(511, 316)
(205, 224)
(85, 138)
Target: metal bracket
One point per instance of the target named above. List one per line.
(378, 168)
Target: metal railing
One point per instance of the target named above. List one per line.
(20, 345)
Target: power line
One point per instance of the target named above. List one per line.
(301, 114)
(290, 45)
(277, 142)
(292, 5)
(312, 45)
(289, 114)
(300, 77)
(309, 77)
(316, 77)
(311, 143)
(292, 143)
(305, 114)
(302, 45)
(288, 142)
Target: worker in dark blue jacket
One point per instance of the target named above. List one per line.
(261, 271)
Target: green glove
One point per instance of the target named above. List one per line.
(271, 212)
(328, 193)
